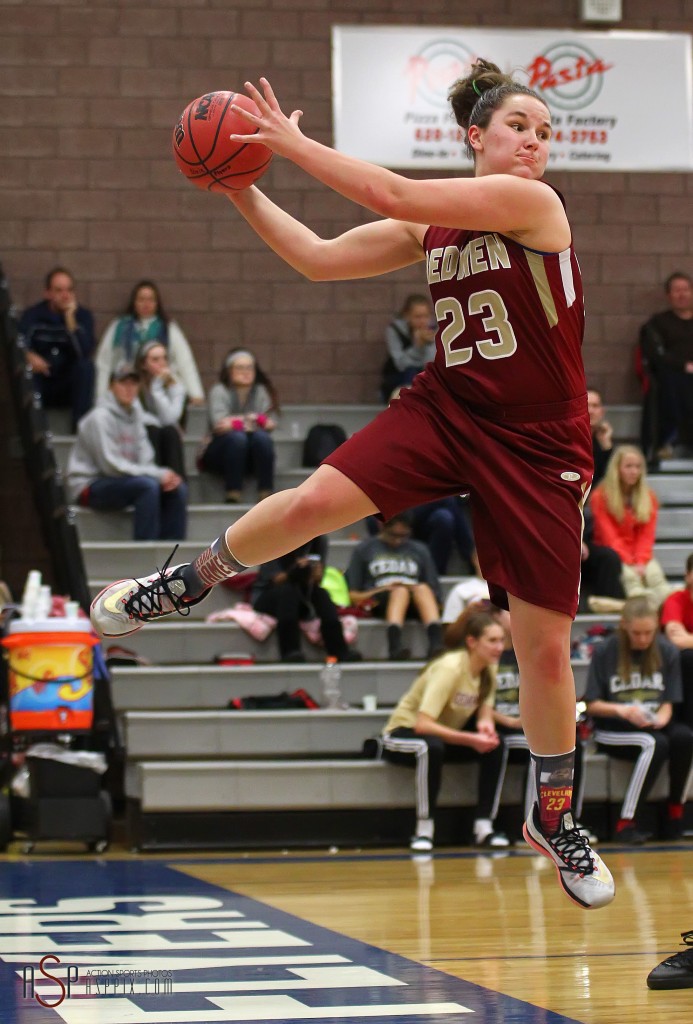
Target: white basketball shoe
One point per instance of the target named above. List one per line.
(582, 873)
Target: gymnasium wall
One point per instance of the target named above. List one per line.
(90, 92)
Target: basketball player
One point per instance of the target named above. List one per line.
(501, 411)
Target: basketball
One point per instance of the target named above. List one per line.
(204, 152)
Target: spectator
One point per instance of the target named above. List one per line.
(447, 715)
(410, 340)
(666, 345)
(111, 464)
(677, 622)
(442, 525)
(145, 319)
(625, 519)
(163, 400)
(634, 680)
(59, 337)
(394, 578)
(601, 588)
(240, 408)
(602, 435)
(506, 714)
(289, 589)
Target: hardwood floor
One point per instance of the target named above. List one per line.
(501, 923)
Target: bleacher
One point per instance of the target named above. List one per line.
(199, 774)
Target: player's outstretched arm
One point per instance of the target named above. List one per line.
(365, 251)
(497, 202)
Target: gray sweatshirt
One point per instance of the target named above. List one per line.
(223, 402)
(111, 441)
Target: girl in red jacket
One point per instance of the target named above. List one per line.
(625, 519)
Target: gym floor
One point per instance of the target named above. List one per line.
(339, 935)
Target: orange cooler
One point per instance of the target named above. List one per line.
(50, 674)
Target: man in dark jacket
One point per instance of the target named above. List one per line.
(666, 344)
(59, 338)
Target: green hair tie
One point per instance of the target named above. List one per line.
(475, 87)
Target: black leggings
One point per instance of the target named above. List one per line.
(428, 753)
(649, 749)
(290, 605)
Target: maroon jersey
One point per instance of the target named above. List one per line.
(510, 319)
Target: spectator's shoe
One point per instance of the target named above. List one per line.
(124, 606)
(420, 844)
(584, 877)
(677, 970)
(493, 841)
(631, 835)
(587, 832)
(673, 829)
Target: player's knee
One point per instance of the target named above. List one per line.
(550, 659)
(309, 507)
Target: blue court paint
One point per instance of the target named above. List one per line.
(140, 943)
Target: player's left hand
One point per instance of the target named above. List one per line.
(274, 129)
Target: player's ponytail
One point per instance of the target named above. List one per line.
(475, 97)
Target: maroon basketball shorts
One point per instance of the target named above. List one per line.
(527, 474)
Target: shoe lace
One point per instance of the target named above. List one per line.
(574, 850)
(147, 601)
(685, 957)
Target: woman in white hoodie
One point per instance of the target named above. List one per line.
(111, 465)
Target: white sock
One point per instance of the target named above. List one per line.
(424, 827)
(482, 827)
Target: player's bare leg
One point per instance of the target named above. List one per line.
(541, 638)
(327, 501)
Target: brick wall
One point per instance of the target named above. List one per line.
(90, 92)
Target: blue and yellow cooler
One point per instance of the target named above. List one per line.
(50, 674)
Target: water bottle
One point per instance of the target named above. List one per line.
(330, 678)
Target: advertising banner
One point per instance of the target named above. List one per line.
(620, 101)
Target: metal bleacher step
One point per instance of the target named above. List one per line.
(287, 451)
(177, 640)
(256, 785)
(111, 560)
(205, 522)
(208, 687)
(672, 488)
(177, 687)
(249, 734)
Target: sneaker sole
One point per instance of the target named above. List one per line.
(540, 849)
(97, 599)
(658, 984)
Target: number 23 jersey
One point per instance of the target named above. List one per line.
(510, 319)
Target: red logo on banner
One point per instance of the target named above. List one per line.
(545, 74)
